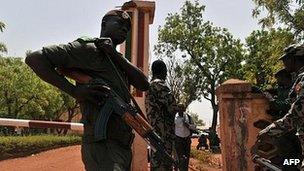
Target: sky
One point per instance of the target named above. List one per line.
(32, 24)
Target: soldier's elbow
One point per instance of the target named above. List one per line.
(141, 84)
(145, 86)
(32, 59)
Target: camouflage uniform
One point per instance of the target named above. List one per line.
(161, 108)
(294, 119)
(280, 104)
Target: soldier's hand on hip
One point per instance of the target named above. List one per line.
(84, 93)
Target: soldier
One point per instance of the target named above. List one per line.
(114, 152)
(279, 103)
(293, 60)
(161, 109)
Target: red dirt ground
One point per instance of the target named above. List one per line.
(63, 159)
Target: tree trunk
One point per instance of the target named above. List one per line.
(8, 104)
(214, 119)
(71, 113)
(215, 108)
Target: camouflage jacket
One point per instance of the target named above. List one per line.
(294, 119)
(161, 108)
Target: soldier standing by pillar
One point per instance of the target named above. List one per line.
(114, 152)
(161, 109)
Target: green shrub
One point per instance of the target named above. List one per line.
(18, 146)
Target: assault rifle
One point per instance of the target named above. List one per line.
(132, 115)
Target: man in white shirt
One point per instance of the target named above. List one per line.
(183, 137)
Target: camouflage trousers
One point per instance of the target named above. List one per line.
(156, 164)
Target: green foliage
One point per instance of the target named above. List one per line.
(2, 26)
(18, 146)
(289, 13)
(24, 95)
(212, 54)
(197, 120)
(262, 60)
(2, 45)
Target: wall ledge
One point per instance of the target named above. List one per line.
(234, 86)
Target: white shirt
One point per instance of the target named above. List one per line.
(180, 129)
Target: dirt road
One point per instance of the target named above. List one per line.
(63, 159)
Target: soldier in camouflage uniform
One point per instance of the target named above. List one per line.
(113, 153)
(294, 120)
(161, 109)
(279, 102)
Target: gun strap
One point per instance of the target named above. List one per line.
(126, 88)
(94, 40)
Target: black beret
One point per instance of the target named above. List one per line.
(120, 13)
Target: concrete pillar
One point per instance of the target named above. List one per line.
(238, 110)
(136, 49)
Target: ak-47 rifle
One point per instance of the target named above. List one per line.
(264, 163)
(132, 115)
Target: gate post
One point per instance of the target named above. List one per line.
(238, 110)
(136, 49)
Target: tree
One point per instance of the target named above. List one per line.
(289, 13)
(264, 49)
(2, 45)
(181, 86)
(196, 119)
(211, 53)
(180, 80)
(24, 95)
(14, 86)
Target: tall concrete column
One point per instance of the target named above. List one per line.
(239, 109)
(136, 49)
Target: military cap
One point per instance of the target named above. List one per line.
(295, 50)
(120, 13)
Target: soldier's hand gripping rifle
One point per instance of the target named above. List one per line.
(263, 143)
(133, 116)
(264, 163)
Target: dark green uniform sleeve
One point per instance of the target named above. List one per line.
(74, 55)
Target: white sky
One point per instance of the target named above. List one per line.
(32, 24)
